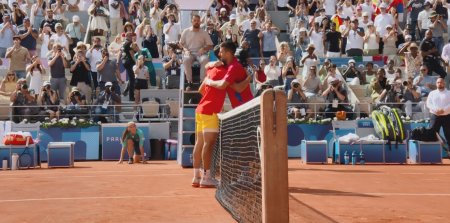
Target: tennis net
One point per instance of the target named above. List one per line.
(244, 149)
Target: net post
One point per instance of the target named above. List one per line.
(274, 166)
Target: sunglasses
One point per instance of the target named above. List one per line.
(11, 74)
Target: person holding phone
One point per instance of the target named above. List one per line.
(142, 77)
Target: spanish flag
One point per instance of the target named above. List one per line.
(337, 20)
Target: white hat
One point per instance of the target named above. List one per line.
(365, 14)
(223, 10)
(351, 61)
(332, 79)
(383, 5)
(303, 29)
(232, 16)
(75, 18)
(108, 84)
(408, 37)
(46, 83)
(295, 81)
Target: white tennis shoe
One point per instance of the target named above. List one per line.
(196, 181)
(208, 182)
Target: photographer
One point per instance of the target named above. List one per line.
(412, 100)
(336, 97)
(378, 85)
(17, 14)
(107, 102)
(296, 96)
(424, 81)
(438, 26)
(94, 55)
(76, 103)
(81, 79)
(48, 98)
(7, 31)
(172, 62)
(352, 72)
(431, 56)
(142, 77)
(26, 103)
(108, 71)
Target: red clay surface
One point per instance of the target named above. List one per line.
(161, 192)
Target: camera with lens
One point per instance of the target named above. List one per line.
(296, 85)
(175, 47)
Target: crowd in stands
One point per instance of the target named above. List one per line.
(395, 49)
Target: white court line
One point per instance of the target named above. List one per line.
(92, 176)
(94, 198)
(376, 194)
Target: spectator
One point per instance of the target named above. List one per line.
(7, 86)
(309, 59)
(114, 47)
(378, 85)
(352, 72)
(412, 59)
(142, 77)
(389, 40)
(289, 72)
(348, 9)
(58, 9)
(75, 31)
(438, 102)
(311, 84)
(49, 100)
(25, 104)
(49, 20)
(230, 37)
(332, 40)
(295, 95)
(355, 39)
(438, 26)
(268, 40)
(371, 41)
(35, 70)
(272, 72)
(151, 42)
(57, 61)
(72, 5)
(18, 56)
(424, 81)
(365, 21)
(99, 15)
(242, 54)
(148, 63)
(196, 43)
(316, 38)
(214, 34)
(247, 24)
(259, 76)
(423, 19)
(253, 37)
(301, 43)
(171, 62)
(336, 97)
(75, 103)
(140, 31)
(415, 7)
(155, 18)
(94, 55)
(381, 22)
(115, 19)
(172, 30)
(81, 79)
(390, 70)
(323, 70)
(107, 103)
(61, 37)
(108, 71)
(413, 101)
(28, 36)
(7, 32)
(284, 53)
(128, 62)
(430, 55)
(230, 27)
(44, 38)
(38, 12)
(369, 73)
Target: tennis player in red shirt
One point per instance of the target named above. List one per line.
(235, 74)
(207, 123)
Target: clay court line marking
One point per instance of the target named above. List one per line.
(93, 198)
(90, 176)
(379, 194)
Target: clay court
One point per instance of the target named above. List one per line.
(160, 192)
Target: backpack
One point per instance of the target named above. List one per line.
(424, 134)
(388, 124)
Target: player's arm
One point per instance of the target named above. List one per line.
(201, 89)
(219, 84)
(240, 87)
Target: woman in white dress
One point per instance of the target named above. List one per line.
(140, 31)
(36, 71)
(371, 41)
(99, 15)
(309, 59)
(45, 38)
(38, 13)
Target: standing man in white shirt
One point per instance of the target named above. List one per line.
(172, 32)
(94, 54)
(368, 7)
(381, 21)
(438, 102)
(423, 19)
(355, 39)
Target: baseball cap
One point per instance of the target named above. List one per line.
(332, 80)
(351, 61)
(295, 81)
(75, 89)
(46, 83)
(365, 14)
(75, 18)
(58, 25)
(232, 16)
(108, 84)
(383, 5)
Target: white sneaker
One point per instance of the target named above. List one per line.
(196, 181)
(208, 182)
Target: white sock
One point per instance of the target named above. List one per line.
(207, 173)
(197, 172)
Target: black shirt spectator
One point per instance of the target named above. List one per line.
(333, 38)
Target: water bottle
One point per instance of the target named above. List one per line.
(14, 161)
(168, 152)
(362, 158)
(145, 157)
(353, 157)
(5, 164)
(346, 158)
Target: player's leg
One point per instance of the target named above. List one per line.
(130, 149)
(210, 133)
(197, 153)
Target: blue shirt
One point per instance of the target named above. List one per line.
(6, 38)
(269, 41)
(28, 42)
